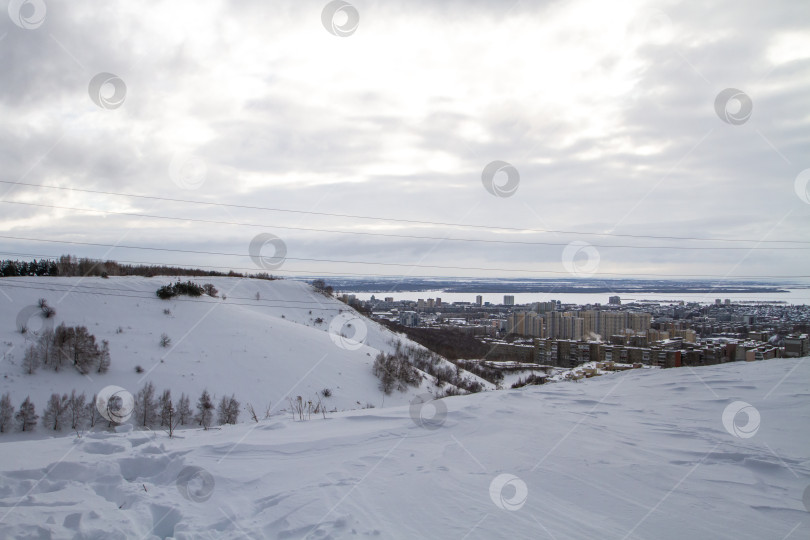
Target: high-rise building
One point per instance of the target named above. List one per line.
(615, 300)
(508, 300)
(564, 325)
(639, 322)
(544, 307)
(611, 323)
(524, 323)
(479, 300)
(590, 323)
(409, 318)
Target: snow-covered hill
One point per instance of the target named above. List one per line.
(288, 341)
(711, 452)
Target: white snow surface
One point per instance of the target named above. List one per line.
(638, 454)
(262, 351)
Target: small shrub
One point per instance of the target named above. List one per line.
(530, 380)
(210, 290)
(326, 392)
(138, 369)
(166, 292)
(165, 340)
(189, 288)
(167, 311)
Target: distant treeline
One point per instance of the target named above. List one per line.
(71, 266)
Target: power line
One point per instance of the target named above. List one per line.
(406, 265)
(386, 235)
(397, 220)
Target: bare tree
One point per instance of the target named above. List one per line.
(171, 418)
(184, 410)
(252, 412)
(77, 410)
(205, 410)
(6, 413)
(55, 412)
(45, 347)
(76, 346)
(91, 412)
(146, 407)
(228, 410)
(26, 416)
(233, 410)
(165, 340)
(31, 360)
(104, 357)
(166, 408)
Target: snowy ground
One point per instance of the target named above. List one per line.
(642, 454)
(263, 350)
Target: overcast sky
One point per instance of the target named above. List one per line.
(607, 117)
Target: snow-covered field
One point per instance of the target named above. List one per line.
(286, 343)
(642, 454)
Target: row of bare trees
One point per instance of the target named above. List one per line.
(153, 411)
(75, 413)
(67, 346)
(72, 412)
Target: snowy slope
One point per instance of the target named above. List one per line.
(639, 454)
(263, 351)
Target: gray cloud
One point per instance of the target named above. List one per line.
(608, 115)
